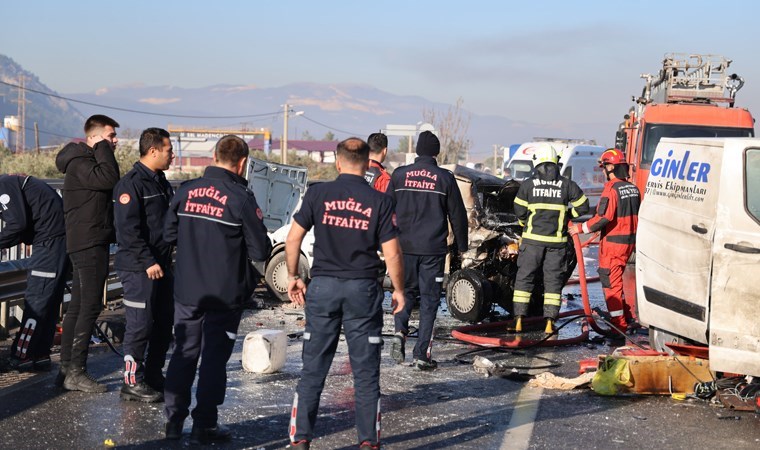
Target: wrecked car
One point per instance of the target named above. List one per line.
(484, 275)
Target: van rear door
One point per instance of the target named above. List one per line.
(674, 237)
(735, 308)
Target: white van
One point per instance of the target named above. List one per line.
(579, 162)
(698, 249)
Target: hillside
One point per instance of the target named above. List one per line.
(57, 119)
(344, 109)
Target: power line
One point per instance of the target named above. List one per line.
(50, 133)
(329, 127)
(115, 108)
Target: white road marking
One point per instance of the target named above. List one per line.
(520, 428)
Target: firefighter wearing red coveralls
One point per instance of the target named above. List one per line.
(617, 218)
(541, 205)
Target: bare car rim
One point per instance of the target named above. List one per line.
(463, 295)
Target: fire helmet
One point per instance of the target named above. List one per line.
(544, 153)
(611, 156)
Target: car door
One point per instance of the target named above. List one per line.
(674, 237)
(278, 189)
(735, 304)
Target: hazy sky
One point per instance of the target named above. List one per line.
(551, 62)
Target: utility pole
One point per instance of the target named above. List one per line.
(36, 138)
(495, 165)
(284, 140)
(21, 133)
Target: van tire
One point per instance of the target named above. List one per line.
(659, 337)
(467, 296)
(276, 275)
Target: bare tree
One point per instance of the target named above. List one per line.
(451, 127)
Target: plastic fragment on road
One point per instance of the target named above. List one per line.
(264, 351)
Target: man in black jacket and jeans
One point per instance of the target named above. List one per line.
(90, 173)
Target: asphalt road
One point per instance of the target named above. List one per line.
(452, 407)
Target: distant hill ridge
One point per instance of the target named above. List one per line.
(58, 120)
(344, 109)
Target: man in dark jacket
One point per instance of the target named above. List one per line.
(217, 227)
(541, 206)
(32, 213)
(143, 262)
(427, 199)
(90, 173)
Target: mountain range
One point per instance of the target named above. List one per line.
(343, 109)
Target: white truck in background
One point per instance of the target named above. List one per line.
(698, 249)
(579, 161)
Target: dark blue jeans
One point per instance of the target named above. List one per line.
(423, 279)
(356, 305)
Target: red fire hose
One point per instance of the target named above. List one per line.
(518, 341)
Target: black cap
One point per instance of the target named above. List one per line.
(428, 144)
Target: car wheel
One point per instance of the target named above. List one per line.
(658, 338)
(276, 275)
(466, 296)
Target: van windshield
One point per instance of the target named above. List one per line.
(519, 170)
(654, 132)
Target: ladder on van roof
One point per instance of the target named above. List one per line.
(692, 78)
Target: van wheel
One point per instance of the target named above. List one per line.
(658, 338)
(276, 275)
(466, 296)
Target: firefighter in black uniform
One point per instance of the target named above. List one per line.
(541, 206)
(32, 213)
(351, 223)
(143, 263)
(217, 227)
(427, 199)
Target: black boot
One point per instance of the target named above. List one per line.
(174, 430)
(61, 374)
(77, 379)
(218, 433)
(140, 392)
(155, 380)
(135, 388)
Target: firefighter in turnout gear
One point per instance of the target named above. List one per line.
(541, 206)
(617, 218)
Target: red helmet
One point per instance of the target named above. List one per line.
(612, 156)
